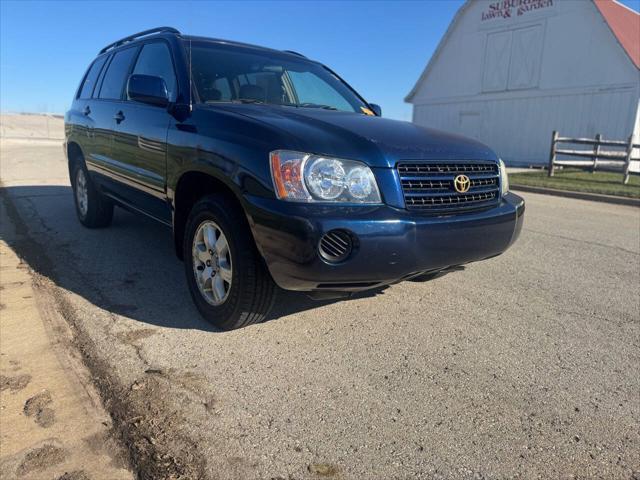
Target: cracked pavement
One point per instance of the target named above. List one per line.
(522, 366)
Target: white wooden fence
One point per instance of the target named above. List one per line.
(617, 158)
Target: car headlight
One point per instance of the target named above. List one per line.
(504, 178)
(304, 177)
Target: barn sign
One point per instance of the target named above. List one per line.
(512, 8)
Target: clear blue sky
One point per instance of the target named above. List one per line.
(378, 47)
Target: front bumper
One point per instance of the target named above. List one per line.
(392, 244)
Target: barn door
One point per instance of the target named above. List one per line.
(525, 58)
(496, 62)
(512, 59)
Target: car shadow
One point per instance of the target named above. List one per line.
(128, 269)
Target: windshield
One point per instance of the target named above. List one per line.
(223, 74)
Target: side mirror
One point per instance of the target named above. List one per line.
(148, 89)
(376, 109)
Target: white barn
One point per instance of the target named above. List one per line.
(509, 72)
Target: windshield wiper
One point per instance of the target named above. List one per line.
(287, 104)
(246, 100)
(316, 105)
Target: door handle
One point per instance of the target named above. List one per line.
(86, 111)
(119, 116)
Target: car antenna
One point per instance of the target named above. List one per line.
(190, 81)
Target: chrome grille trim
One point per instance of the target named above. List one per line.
(445, 168)
(429, 187)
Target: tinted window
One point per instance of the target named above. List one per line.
(223, 74)
(96, 91)
(117, 73)
(155, 59)
(311, 89)
(90, 79)
(222, 85)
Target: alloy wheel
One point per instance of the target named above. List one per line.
(212, 265)
(82, 194)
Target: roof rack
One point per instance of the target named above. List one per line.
(135, 36)
(295, 53)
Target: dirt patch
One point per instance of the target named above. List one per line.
(37, 403)
(194, 382)
(77, 475)
(46, 417)
(144, 419)
(142, 416)
(152, 427)
(14, 383)
(102, 441)
(96, 441)
(323, 469)
(135, 335)
(37, 407)
(41, 458)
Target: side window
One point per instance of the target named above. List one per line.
(117, 73)
(311, 89)
(222, 85)
(96, 91)
(155, 59)
(264, 86)
(213, 90)
(90, 80)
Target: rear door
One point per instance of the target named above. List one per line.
(107, 97)
(86, 116)
(140, 136)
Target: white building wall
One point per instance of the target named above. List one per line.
(509, 82)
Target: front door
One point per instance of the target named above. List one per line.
(140, 137)
(140, 153)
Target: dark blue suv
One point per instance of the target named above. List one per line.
(270, 169)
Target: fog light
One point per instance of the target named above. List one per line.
(335, 246)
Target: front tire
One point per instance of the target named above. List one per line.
(92, 208)
(227, 279)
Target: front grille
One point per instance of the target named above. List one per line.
(429, 187)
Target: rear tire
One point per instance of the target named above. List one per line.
(227, 278)
(92, 208)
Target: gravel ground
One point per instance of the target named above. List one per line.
(523, 366)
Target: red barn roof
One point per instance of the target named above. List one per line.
(625, 25)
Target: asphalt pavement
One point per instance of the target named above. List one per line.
(523, 366)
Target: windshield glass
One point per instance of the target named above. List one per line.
(223, 74)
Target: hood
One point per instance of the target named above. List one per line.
(378, 141)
